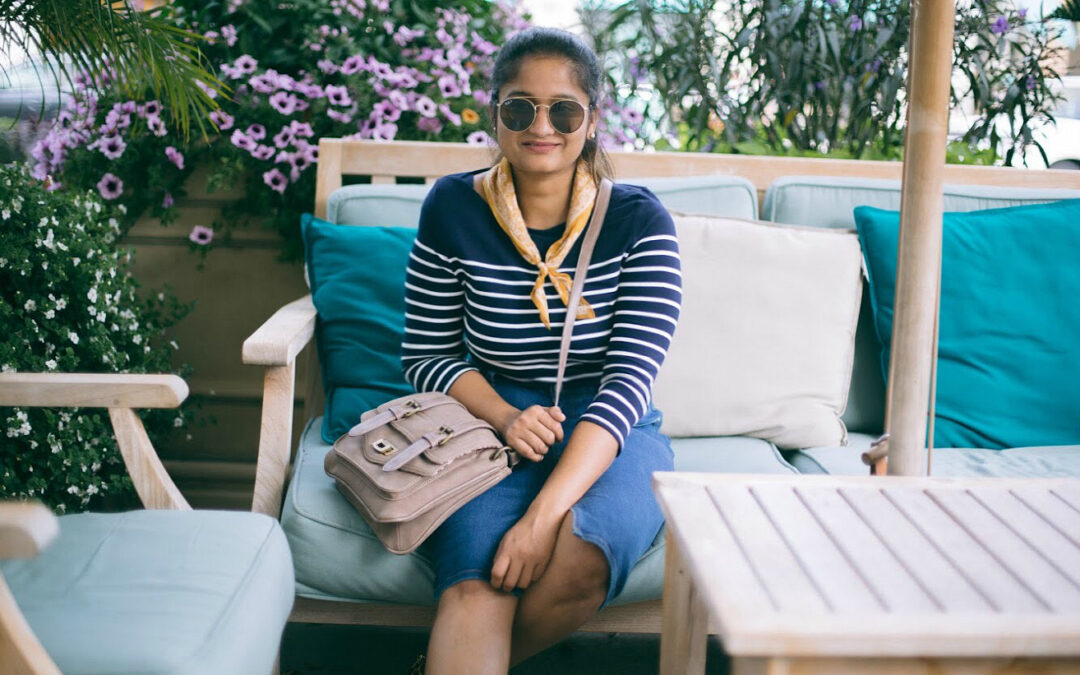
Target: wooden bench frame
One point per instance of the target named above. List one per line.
(278, 342)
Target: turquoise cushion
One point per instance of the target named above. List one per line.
(159, 592)
(1008, 357)
(337, 557)
(357, 280)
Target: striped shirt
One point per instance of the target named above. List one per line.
(468, 306)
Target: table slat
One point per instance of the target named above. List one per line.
(992, 580)
(840, 584)
(937, 574)
(886, 572)
(771, 558)
(1062, 554)
(1028, 566)
(1051, 509)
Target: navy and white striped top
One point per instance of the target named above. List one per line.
(468, 306)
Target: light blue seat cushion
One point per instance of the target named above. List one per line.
(825, 201)
(338, 558)
(399, 205)
(1036, 462)
(159, 592)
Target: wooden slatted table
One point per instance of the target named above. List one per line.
(831, 574)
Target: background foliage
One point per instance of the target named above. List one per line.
(68, 303)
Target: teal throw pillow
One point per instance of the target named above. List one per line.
(1009, 345)
(357, 280)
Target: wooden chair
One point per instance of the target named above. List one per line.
(28, 528)
(279, 341)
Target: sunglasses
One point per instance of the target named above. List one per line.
(517, 114)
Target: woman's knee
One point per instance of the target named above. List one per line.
(475, 592)
(580, 569)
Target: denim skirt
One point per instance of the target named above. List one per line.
(618, 514)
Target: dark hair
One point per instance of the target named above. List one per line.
(541, 41)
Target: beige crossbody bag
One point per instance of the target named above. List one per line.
(413, 461)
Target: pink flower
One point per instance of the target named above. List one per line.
(246, 64)
(229, 33)
(111, 146)
(327, 66)
(256, 132)
(276, 180)
(450, 115)
(301, 129)
(151, 108)
(482, 97)
(431, 124)
(338, 95)
(222, 120)
(386, 110)
(175, 156)
(352, 64)
(210, 93)
(478, 138)
(167, 200)
(263, 152)
(156, 126)
(385, 132)
(241, 140)
(110, 186)
(344, 117)
(425, 106)
(201, 235)
(284, 137)
(284, 103)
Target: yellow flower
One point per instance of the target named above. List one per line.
(469, 116)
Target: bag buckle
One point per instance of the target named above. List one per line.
(414, 407)
(383, 447)
(448, 434)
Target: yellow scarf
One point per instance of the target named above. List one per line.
(498, 192)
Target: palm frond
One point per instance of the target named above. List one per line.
(1069, 11)
(139, 51)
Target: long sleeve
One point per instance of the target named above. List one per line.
(433, 351)
(645, 315)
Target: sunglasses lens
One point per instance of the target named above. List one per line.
(566, 116)
(517, 114)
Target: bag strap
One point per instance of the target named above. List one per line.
(588, 243)
(592, 233)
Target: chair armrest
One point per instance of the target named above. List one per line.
(280, 339)
(26, 528)
(91, 390)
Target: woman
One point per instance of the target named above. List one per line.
(527, 562)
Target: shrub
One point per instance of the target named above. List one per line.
(68, 303)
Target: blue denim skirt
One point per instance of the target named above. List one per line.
(618, 514)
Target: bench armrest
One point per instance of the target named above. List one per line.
(26, 528)
(91, 390)
(280, 339)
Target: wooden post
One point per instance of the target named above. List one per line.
(918, 266)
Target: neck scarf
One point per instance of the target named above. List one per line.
(498, 192)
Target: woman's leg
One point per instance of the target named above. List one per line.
(471, 633)
(570, 591)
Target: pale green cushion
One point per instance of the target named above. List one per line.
(399, 205)
(1036, 462)
(156, 592)
(827, 201)
(338, 557)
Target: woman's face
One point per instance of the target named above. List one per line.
(541, 149)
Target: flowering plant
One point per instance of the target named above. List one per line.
(298, 71)
(68, 304)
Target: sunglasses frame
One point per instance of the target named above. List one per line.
(536, 106)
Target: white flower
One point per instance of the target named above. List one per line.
(3, 262)
(73, 337)
(45, 265)
(92, 489)
(76, 260)
(5, 214)
(30, 305)
(49, 314)
(178, 422)
(51, 364)
(91, 295)
(137, 339)
(174, 345)
(72, 490)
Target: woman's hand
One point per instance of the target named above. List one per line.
(533, 430)
(524, 552)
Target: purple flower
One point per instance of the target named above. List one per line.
(175, 156)
(167, 200)
(450, 115)
(429, 124)
(263, 152)
(482, 97)
(284, 137)
(386, 110)
(110, 186)
(284, 102)
(201, 235)
(222, 120)
(210, 93)
(276, 180)
(246, 64)
(129, 107)
(241, 140)
(352, 64)
(339, 116)
(819, 85)
(874, 66)
(301, 129)
(425, 106)
(151, 108)
(1022, 13)
(156, 126)
(854, 23)
(384, 132)
(337, 95)
(479, 138)
(111, 146)
(229, 33)
(449, 86)
(398, 99)
(327, 66)
(1000, 25)
(1029, 82)
(632, 117)
(256, 132)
